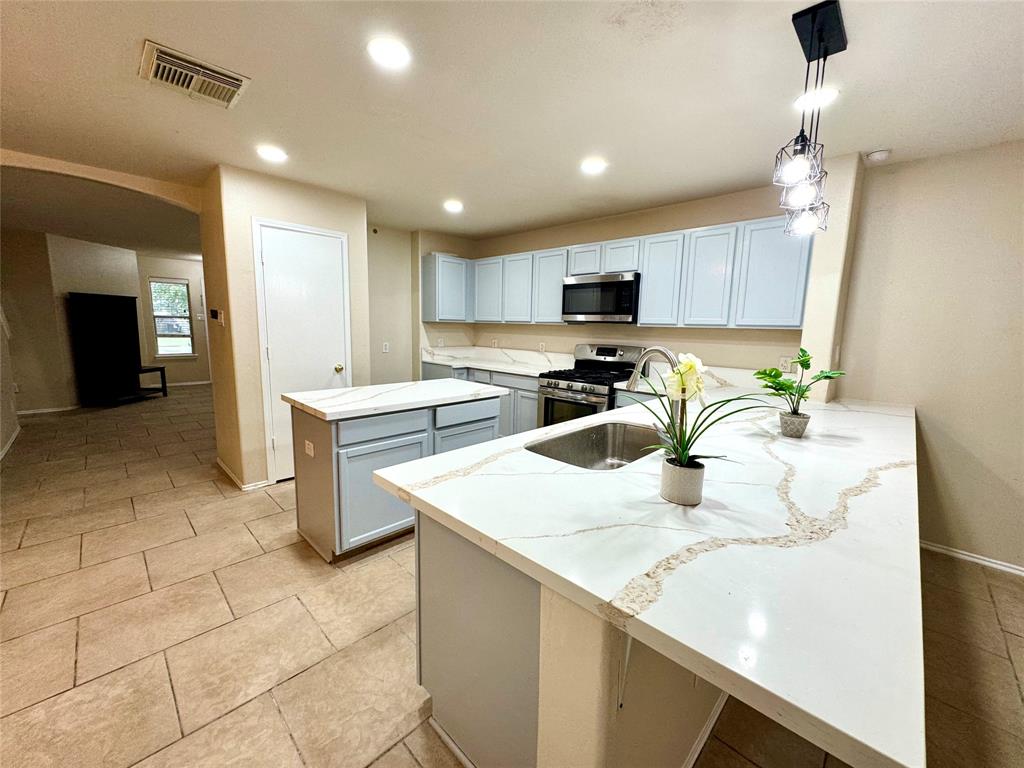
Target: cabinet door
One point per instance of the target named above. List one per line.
(585, 259)
(548, 271)
(368, 512)
(450, 438)
(661, 272)
(709, 276)
(771, 276)
(620, 255)
(517, 288)
(451, 288)
(506, 414)
(488, 290)
(525, 411)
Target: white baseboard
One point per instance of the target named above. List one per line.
(999, 565)
(7, 447)
(49, 410)
(187, 383)
(450, 743)
(236, 481)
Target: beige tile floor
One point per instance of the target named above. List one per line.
(152, 614)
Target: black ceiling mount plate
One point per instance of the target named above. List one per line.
(820, 29)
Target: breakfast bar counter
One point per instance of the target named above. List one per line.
(794, 586)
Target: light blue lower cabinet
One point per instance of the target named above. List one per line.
(508, 405)
(525, 411)
(464, 435)
(368, 512)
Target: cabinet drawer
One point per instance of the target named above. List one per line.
(481, 377)
(386, 425)
(465, 435)
(460, 413)
(512, 381)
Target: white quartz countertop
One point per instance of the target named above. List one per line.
(353, 402)
(794, 586)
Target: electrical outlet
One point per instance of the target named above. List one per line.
(494, 342)
(542, 346)
(786, 364)
(440, 341)
(386, 348)
(309, 449)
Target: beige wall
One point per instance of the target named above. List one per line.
(390, 304)
(184, 369)
(232, 198)
(40, 364)
(935, 318)
(8, 401)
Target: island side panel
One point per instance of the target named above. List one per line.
(479, 647)
(315, 483)
(603, 705)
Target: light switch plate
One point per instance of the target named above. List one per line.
(309, 449)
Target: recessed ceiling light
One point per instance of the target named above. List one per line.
(878, 156)
(271, 154)
(389, 53)
(593, 165)
(453, 206)
(816, 99)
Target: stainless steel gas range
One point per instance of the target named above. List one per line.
(589, 386)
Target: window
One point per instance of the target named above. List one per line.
(172, 320)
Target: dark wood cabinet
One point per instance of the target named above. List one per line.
(104, 333)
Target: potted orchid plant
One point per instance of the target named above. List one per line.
(682, 472)
(794, 392)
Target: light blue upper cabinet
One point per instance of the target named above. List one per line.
(488, 290)
(709, 275)
(548, 271)
(771, 276)
(661, 268)
(620, 255)
(445, 288)
(585, 259)
(517, 288)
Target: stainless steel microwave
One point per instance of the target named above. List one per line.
(613, 298)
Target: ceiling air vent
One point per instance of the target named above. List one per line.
(196, 78)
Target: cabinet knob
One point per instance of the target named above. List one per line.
(339, 368)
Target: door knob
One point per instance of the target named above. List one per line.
(339, 368)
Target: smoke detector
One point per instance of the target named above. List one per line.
(187, 74)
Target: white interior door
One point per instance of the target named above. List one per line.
(305, 324)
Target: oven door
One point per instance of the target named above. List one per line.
(555, 406)
(612, 298)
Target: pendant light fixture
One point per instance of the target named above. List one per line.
(799, 166)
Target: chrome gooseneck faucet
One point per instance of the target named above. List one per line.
(645, 356)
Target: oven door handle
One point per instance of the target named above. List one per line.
(575, 397)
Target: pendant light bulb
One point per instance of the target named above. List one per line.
(800, 195)
(804, 223)
(795, 170)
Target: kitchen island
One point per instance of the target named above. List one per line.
(601, 625)
(340, 436)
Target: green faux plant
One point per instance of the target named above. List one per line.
(678, 435)
(793, 391)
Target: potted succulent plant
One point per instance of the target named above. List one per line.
(682, 473)
(794, 392)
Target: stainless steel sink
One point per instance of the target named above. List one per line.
(610, 445)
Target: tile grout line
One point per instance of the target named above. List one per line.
(284, 719)
(174, 696)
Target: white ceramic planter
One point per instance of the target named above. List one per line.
(793, 424)
(682, 485)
